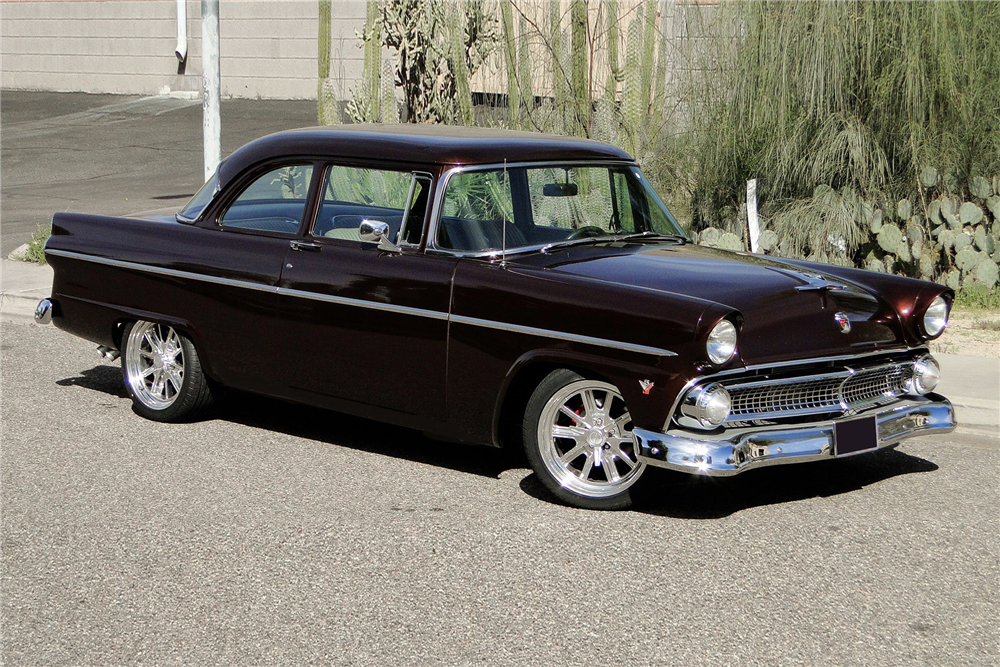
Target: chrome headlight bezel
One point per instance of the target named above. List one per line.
(720, 346)
(926, 375)
(935, 318)
(705, 407)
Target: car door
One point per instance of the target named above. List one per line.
(240, 250)
(369, 326)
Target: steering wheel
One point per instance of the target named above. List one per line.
(586, 232)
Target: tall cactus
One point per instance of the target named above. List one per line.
(510, 59)
(367, 105)
(633, 113)
(580, 80)
(524, 68)
(611, 85)
(560, 80)
(648, 47)
(323, 58)
(459, 66)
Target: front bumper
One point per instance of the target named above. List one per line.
(732, 451)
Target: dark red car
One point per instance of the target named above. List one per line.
(498, 288)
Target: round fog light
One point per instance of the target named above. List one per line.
(707, 407)
(926, 373)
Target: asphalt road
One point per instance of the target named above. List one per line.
(113, 154)
(277, 534)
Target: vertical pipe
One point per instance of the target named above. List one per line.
(210, 85)
(753, 223)
(182, 31)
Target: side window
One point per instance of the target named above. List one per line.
(477, 204)
(352, 194)
(275, 202)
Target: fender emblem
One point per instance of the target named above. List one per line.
(845, 324)
(646, 385)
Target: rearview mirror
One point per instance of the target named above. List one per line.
(560, 189)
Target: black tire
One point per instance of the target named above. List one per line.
(162, 373)
(604, 468)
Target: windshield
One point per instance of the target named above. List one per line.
(194, 208)
(523, 207)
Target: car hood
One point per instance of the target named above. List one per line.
(789, 309)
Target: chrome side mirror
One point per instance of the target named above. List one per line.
(376, 231)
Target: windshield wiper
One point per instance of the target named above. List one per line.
(606, 238)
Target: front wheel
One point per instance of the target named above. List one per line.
(578, 440)
(162, 373)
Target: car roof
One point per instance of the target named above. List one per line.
(418, 144)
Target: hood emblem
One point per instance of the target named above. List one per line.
(845, 324)
(646, 385)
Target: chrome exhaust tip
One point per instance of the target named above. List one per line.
(107, 353)
(43, 311)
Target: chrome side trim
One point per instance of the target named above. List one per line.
(362, 303)
(559, 335)
(159, 270)
(372, 305)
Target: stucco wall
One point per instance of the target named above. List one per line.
(268, 47)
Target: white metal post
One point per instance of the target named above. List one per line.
(210, 85)
(752, 221)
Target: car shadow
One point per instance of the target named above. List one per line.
(106, 379)
(343, 430)
(696, 497)
(661, 493)
(682, 496)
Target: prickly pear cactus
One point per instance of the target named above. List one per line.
(987, 273)
(889, 237)
(903, 209)
(929, 177)
(979, 187)
(967, 259)
(970, 214)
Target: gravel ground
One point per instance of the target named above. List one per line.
(973, 333)
(277, 534)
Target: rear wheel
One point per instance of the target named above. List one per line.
(578, 439)
(162, 372)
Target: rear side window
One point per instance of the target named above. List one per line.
(275, 202)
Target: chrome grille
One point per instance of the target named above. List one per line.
(841, 391)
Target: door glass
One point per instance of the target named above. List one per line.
(351, 194)
(275, 202)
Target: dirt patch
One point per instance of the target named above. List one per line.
(974, 333)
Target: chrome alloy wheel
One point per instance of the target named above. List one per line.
(585, 440)
(154, 364)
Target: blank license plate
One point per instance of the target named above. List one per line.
(857, 435)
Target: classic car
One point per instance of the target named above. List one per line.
(498, 288)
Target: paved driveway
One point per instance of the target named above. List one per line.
(276, 534)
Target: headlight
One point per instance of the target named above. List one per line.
(722, 342)
(926, 374)
(936, 318)
(706, 407)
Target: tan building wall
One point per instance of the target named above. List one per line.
(268, 47)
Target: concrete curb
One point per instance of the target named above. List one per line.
(22, 286)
